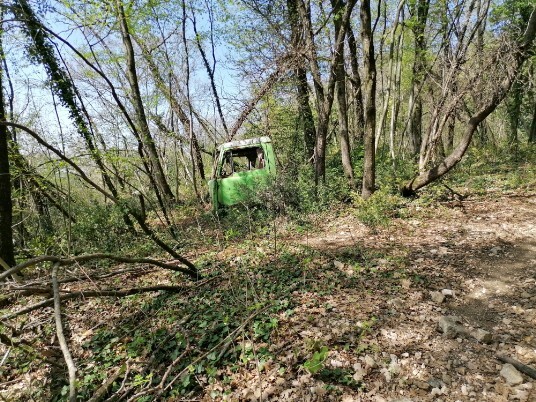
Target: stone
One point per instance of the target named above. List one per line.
(482, 336)
(422, 384)
(436, 391)
(447, 292)
(520, 395)
(472, 366)
(435, 383)
(369, 361)
(494, 251)
(402, 400)
(449, 326)
(511, 375)
(396, 302)
(437, 297)
(338, 264)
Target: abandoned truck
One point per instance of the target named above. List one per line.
(240, 168)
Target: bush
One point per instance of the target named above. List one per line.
(379, 209)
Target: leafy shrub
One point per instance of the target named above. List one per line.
(379, 208)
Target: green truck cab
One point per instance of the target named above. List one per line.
(240, 168)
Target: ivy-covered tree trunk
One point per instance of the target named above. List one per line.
(419, 13)
(305, 114)
(6, 206)
(532, 132)
(513, 107)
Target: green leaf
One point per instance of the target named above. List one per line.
(316, 363)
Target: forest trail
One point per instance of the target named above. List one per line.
(475, 260)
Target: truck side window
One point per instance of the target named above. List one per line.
(242, 160)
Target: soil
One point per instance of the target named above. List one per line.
(480, 251)
(369, 330)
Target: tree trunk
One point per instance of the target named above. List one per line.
(532, 132)
(340, 77)
(305, 115)
(420, 11)
(6, 207)
(141, 118)
(369, 162)
(356, 85)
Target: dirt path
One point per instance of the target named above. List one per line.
(381, 325)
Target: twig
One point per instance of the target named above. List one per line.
(61, 337)
(531, 372)
(160, 386)
(103, 389)
(5, 357)
(460, 196)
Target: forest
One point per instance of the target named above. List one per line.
(267, 200)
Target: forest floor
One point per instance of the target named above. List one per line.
(473, 259)
(329, 310)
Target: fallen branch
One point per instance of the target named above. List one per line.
(61, 337)
(6, 267)
(103, 389)
(531, 372)
(461, 197)
(93, 293)
(88, 257)
(42, 285)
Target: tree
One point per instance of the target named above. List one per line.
(6, 207)
(369, 84)
(419, 13)
(511, 54)
(324, 94)
(342, 104)
(137, 102)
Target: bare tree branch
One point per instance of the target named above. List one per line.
(61, 337)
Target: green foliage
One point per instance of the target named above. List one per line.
(379, 209)
(316, 362)
(338, 376)
(489, 169)
(101, 228)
